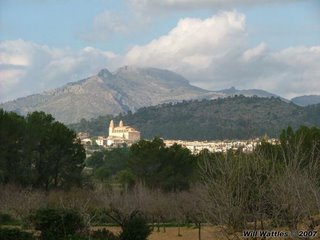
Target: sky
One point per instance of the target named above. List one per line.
(216, 44)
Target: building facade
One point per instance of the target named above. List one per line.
(122, 134)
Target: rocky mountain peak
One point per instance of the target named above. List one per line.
(128, 88)
(231, 90)
(104, 73)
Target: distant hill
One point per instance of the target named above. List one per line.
(109, 93)
(226, 118)
(230, 92)
(306, 100)
(128, 88)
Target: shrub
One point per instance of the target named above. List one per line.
(103, 235)
(135, 228)
(94, 235)
(6, 219)
(14, 234)
(99, 216)
(57, 223)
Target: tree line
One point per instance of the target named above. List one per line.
(171, 168)
(38, 151)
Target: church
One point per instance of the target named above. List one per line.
(122, 134)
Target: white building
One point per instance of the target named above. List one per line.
(101, 141)
(122, 134)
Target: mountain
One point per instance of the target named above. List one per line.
(128, 88)
(306, 100)
(236, 117)
(248, 93)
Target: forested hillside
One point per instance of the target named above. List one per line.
(229, 118)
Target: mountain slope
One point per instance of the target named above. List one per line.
(228, 118)
(306, 100)
(230, 92)
(128, 88)
(106, 93)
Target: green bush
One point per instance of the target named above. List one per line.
(14, 234)
(57, 224)
(103, 235)
(94, 235)
(7, 219)
(135, 228)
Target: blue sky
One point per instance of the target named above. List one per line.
(269, 45)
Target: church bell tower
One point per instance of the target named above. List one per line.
(111, 127)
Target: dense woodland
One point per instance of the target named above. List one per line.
(38, 151)
(145, 188)
(227, 118)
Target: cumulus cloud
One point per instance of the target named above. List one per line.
(215, 53)
(299, 71)
(289, 72)
(192, 43)
(26, 67)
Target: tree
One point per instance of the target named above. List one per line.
(302, 144)
(53, 151)
(56, 223)
(38, 151)
(145, 160)
(12, 161)
(107, 163)
(237, 187)
(135, 227)
(170, 168)
(178, 169)
(126, 178)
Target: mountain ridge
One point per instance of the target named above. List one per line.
(127, 89)
(306, 100)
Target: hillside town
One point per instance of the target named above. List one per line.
(118, 136)
(123, 135)
(195, 147)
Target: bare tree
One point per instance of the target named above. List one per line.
(20, 202)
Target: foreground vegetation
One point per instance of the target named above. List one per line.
(150, 186)
(151, 162)
(38, 151)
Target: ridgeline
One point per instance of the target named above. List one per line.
(236, 117)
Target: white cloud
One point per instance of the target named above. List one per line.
(290, 72)
(192, 43)
(26, 67)
(215, 53)
(254, 53)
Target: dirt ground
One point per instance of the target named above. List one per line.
(187, 233)
(207, 233)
